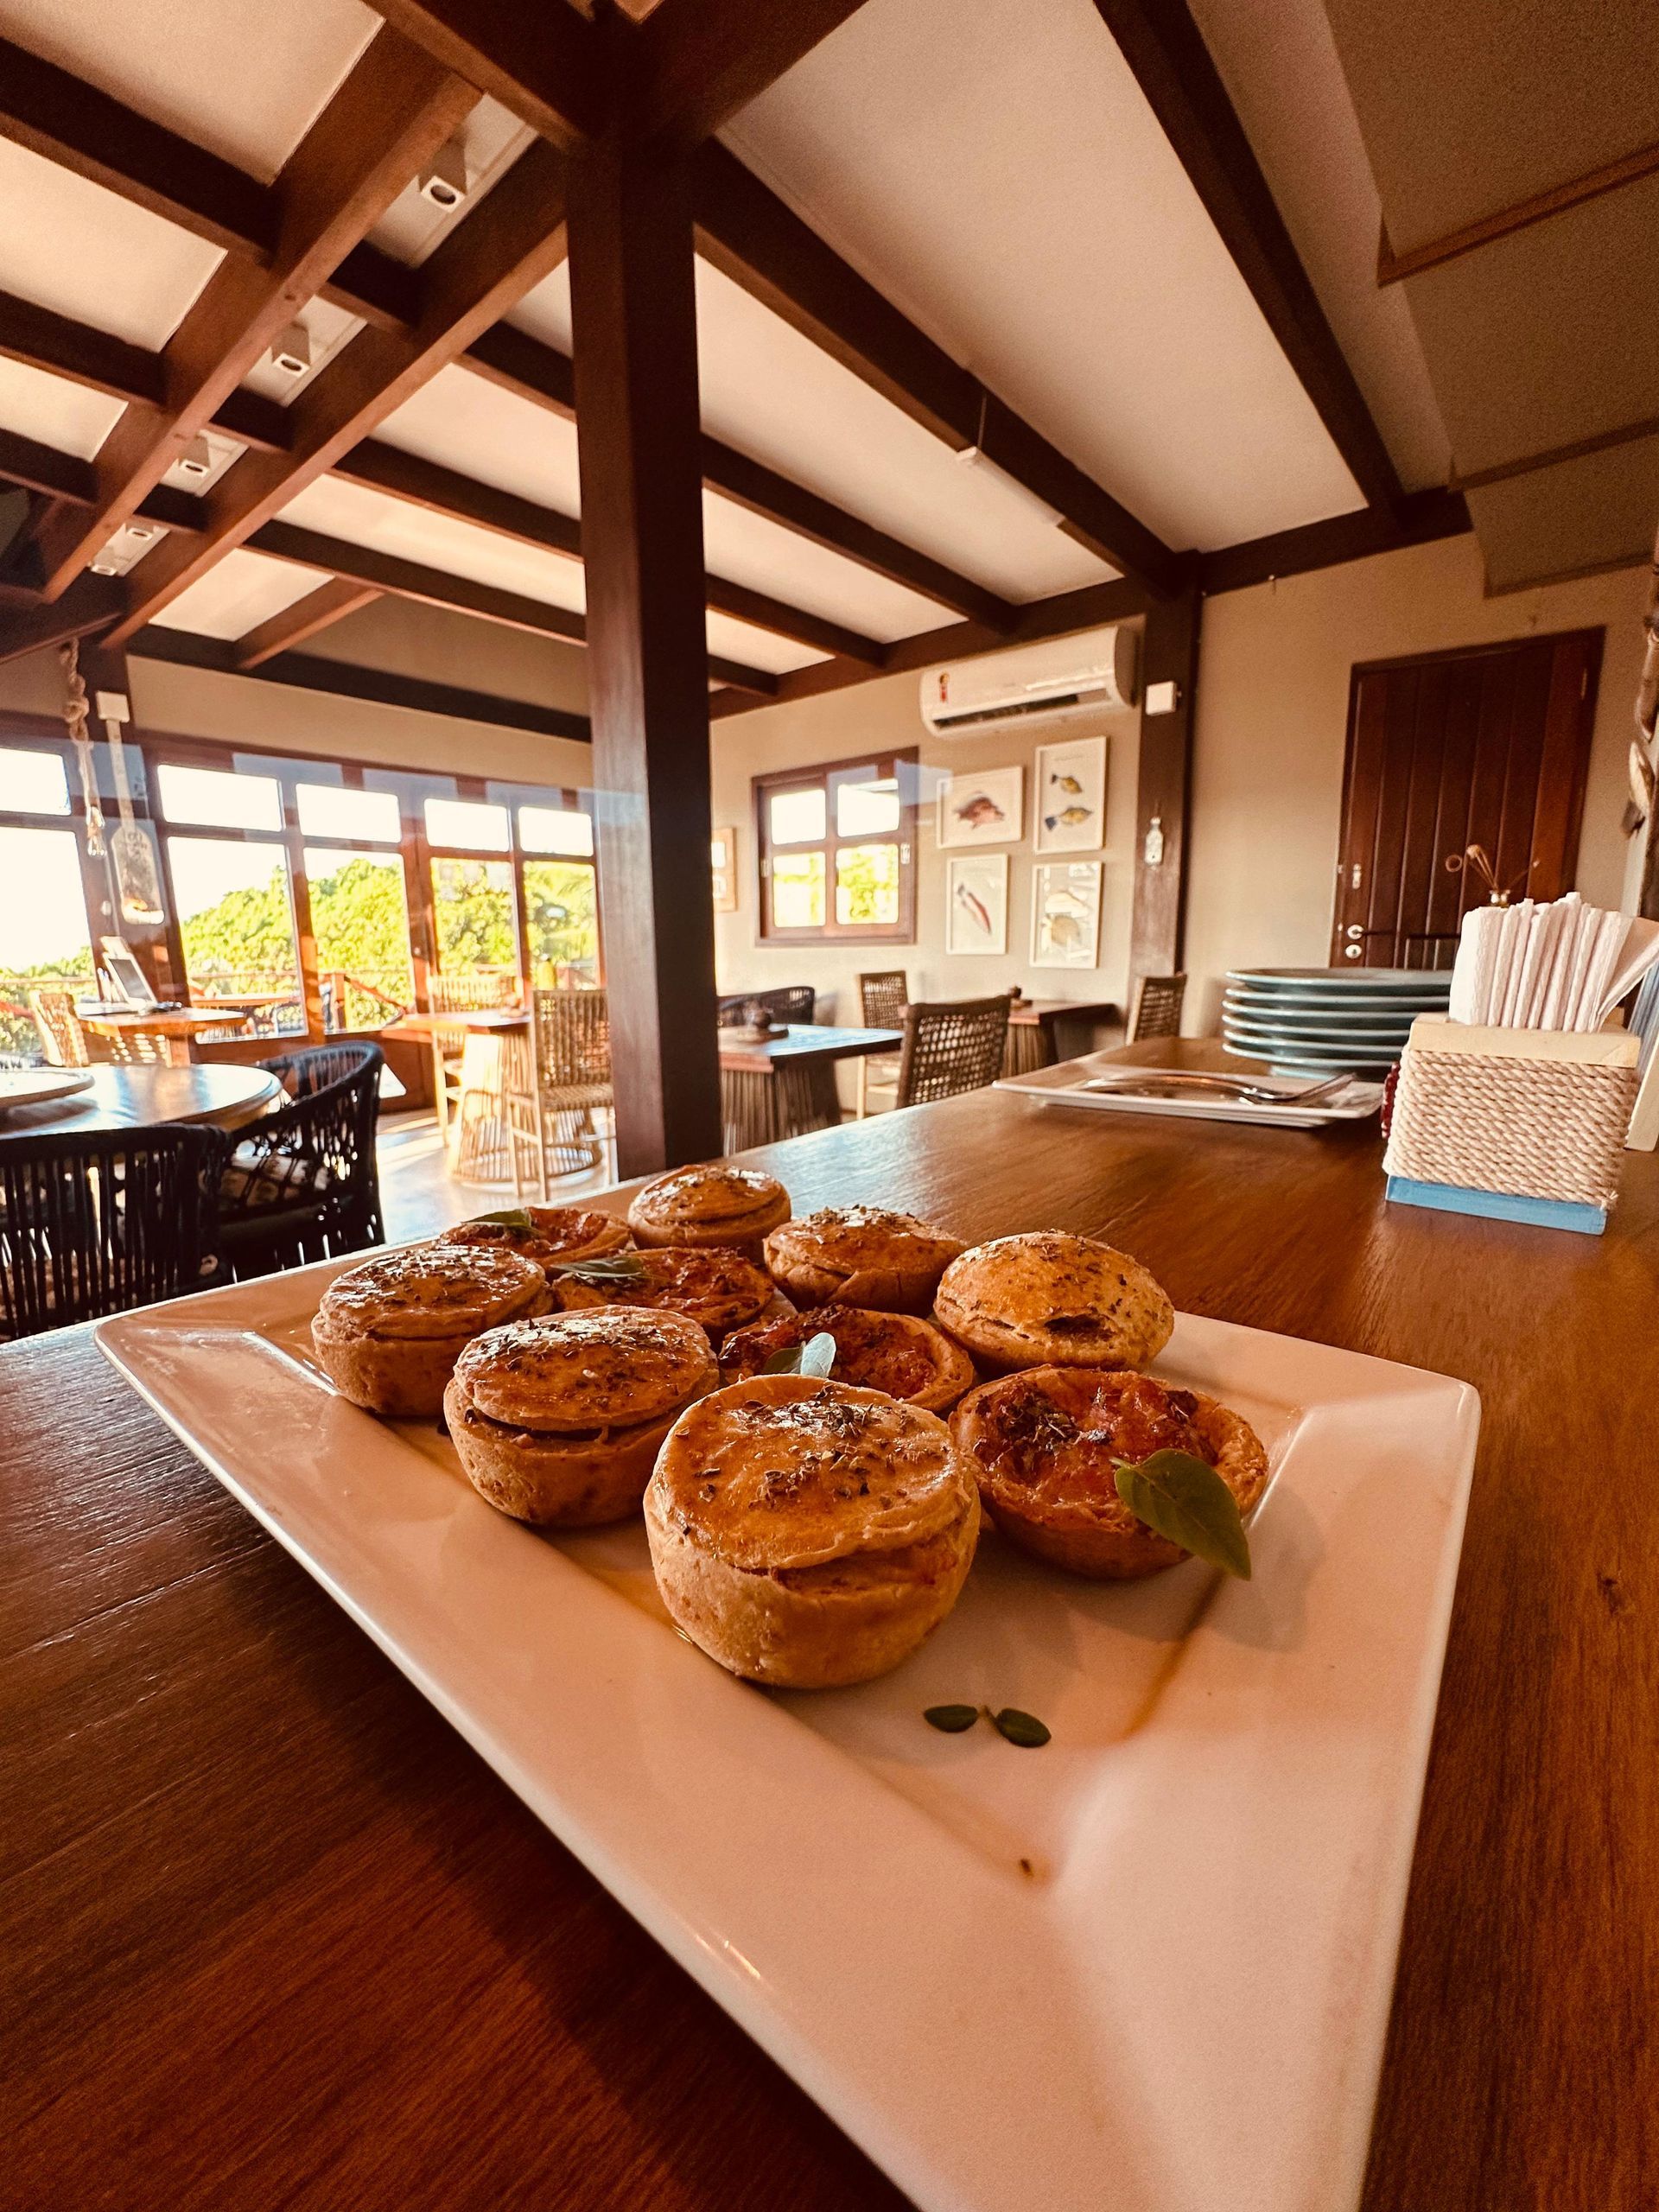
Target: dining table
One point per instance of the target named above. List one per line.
(224, 1093)
(783, 1084)
(272, 1934)
(177, 1030)
(1042, 1031)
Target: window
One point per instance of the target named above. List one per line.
(837, 850)
(368, 818)
(32, 782)
(360, 918)
(473, 919)
(44, 941)
(211, 798)
(560, 923)
(235, 912)
(555, 830)
(469, 822)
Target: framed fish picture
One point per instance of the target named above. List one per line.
(976, 903)
(1066, 914)
(984, 806)
(1070, 795)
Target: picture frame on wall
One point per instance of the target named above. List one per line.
(1066, 914)
(1069, 800)
(722, 857)
(976, 903)
(981, 806)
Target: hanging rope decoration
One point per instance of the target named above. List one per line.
(74, 715)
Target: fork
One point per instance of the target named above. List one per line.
(1249, 1094)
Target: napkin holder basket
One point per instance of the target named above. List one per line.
(1513, 1124)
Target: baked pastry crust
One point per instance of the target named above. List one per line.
(558, 1420)
(719, 1289)
(709, 1205)
(895, 1353)
(1044, 1444)
(1049, 1298)
(388, 1333)
(555, 1233)
(861, 1256)
(806, 1535)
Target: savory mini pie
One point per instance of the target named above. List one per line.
(709, 1205)
(389, 1333)
(719, 1289)
(547, 1233)
(861, 1256)
(558, 1420)
(1049, 1299)
(806, 1535)
(895, 1353)
(1044, 1444)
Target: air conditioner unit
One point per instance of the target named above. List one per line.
(1058, 681)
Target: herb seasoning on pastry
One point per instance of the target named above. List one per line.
(1048, 1299)
(719, 1289)
(861, 1256)
(558, 1420)
(806, 1535)
(895, 1353)
(389, 1333)
(711, 1205)
(1046, 1445)
(545, 1234)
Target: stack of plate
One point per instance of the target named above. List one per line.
(1317, 1022)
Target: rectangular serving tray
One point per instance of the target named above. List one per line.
(1063, 1083)
(1145, 1968)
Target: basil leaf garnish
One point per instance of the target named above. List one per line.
(951, 1719)
(1022, 1728)
(608, 1267)
(1184, 1498)
(815, 1357)
(511, 1217)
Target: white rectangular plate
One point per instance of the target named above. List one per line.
(1147, 1968)
(1061, 1084)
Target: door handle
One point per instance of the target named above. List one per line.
(1352, 952)
(1354, 928)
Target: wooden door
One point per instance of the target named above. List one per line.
(1485, 747)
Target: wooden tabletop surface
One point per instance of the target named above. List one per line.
(1043, 1012)
(224, 1092)
(803, 1041)
(271, 1935)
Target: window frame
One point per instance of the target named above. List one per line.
(823, 776)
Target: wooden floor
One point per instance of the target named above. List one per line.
(419, 1196)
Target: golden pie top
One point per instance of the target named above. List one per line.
(715, 1286)
(711, 1198)
(891, 1352)
(548, 1233)
(607, 1368)
(1085, 1301)
(783, 1471)
(854, 1238)
(432, 1290)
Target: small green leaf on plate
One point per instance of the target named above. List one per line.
(1184, 1498)
(951, 1719)
(609, 1267)
(815, 1357)
(511, 1217)
(1022, 1728)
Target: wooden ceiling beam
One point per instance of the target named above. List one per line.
(91, 605)
(499, 250)
(366, 565)
(545, 63)
(693, 63)
(329, 603)
(66, 477)
(1166, 50)
(393, 111)
(745, 229)
(1417, 518)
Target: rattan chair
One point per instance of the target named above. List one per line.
(301, 1182)
(790, 1002)
(460, 995)
(1157, 1008)
(883, 995)
(953, 1046)
(96, 1222)
(62, 1039)
(553, 1094)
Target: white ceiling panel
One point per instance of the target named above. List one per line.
(464, 422)
(53, 411)
(243, 591)
(243, 78)
(996, 172)
(545, 312)
(371, 517)
(71, 246)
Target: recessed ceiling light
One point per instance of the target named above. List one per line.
(444, 181)
(197, 459)
(292, 352)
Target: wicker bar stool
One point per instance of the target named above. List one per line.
(1157, 1008)
(459, 994)
(555, 1085)
(63, 1041)
(950, 1047)
(883, 995)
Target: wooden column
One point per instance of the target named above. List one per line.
(1169, 655)
(634, 314)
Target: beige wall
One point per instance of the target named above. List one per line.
(1271, 734)
(879, 717)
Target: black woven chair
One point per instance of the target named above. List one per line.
(301, 1183)
(951, 1046)
(792, 1002)
(97, 1222)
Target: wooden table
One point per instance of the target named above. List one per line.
(223, 1092)
(177, 1028)
(1042, 1031)
(271, 1936)
(786, 1084)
